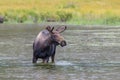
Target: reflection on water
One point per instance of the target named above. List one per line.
(91, 54)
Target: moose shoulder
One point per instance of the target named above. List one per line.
(44, 45)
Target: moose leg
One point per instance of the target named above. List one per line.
(43, 60)
(47, 59)
(53, 53)
(35, 59)
(53, 58)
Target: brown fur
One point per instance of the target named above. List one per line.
(44, 45)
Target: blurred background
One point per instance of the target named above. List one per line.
(83, 12)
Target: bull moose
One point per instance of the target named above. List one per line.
(44, 45)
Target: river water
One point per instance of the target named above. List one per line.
(92, 53)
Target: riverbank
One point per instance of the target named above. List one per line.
(78, 12)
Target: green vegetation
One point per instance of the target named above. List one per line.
(83, 12)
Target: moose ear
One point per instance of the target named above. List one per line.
(61, 29)
(50, 29)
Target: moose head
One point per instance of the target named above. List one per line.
(56, 36)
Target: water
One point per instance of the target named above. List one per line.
(91, 54)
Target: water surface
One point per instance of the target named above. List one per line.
(92, 53)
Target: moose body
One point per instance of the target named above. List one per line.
(44, 45)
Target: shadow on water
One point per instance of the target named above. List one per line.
(43, 66)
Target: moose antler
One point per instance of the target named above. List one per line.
(50, 29)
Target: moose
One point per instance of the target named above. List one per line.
(45, 44)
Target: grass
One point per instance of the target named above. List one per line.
(85, 12)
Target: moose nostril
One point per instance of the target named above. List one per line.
(63, 43)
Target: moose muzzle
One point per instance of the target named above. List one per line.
(63, 43)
